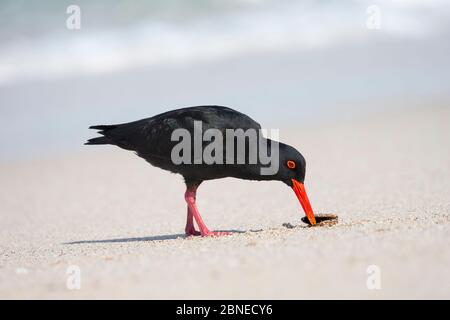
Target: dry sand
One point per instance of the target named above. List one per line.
(121, 221)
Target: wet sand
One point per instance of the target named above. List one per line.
(121, 221)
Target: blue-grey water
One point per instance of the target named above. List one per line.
(285, 63)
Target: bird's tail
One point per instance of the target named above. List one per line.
(104, 127)
(101, 140)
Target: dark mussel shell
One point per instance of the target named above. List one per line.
(323, 219)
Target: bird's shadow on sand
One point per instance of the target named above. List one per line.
(143, 239)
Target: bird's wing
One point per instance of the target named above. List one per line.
(217, 117)
(152, 136)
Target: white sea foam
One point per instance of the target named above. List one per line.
(268, 26)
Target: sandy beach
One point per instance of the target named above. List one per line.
(120, 221)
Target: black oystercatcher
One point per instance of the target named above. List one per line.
(154, 140)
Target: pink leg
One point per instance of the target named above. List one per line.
(190, 228)
(189, 196)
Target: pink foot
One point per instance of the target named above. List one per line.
(216, 234)
(192, 232)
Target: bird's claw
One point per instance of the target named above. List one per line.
(192, 232)
(216, 234)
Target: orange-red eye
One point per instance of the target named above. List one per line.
(291, 164)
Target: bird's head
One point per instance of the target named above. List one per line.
(291, 171)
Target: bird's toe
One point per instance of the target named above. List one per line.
(192, 232)
(216, 234)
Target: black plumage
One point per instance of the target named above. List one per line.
(151, 139)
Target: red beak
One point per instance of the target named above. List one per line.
(300, 191)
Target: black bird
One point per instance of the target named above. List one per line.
(153, 140)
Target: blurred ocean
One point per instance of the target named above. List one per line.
(282, 62)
